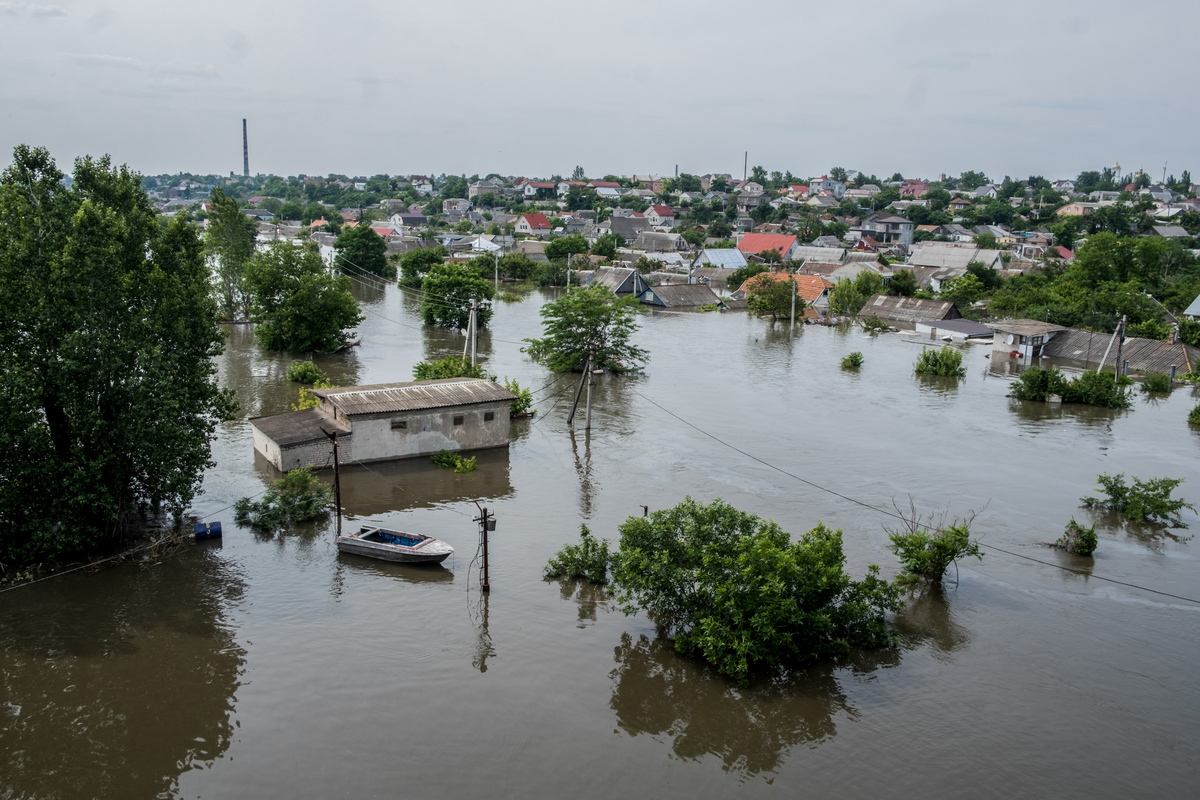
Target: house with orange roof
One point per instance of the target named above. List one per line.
(812, 289)
(755, 243)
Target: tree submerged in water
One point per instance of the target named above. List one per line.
(1143, 501)
(735, 590)
(927, 546)
(299, 496)
(587, 561)
(946, 362)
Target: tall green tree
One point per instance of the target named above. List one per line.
(447, 293)
(591, 318)
(299, 304)
(229, 241)
(767, 294)
(107, 334)
(415, 264)
(362, 250)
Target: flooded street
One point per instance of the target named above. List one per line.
(270, 666)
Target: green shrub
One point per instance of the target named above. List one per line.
(1077, 540)
(708, 307)
(586, 561)
(299, 496)
(926, 555)
(1091, 388)
(508, 297)
(1194, 415)
(448, 460)
(739, 592)
(1156, 382)
(524, 402)
(304, 372)
(309, 400)
(947, 362)
(449, 367)
(1144, 501)
(874, 323)
(853, 361)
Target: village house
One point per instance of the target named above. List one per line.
(387, 421)
(1140, 356)
(533, 225)
(755, 243)
(456, 204)
(679, 295)
(652, 182)
(537, 190)
(618, 280)
(888, 229)
(661, 217)
(908, 310)
(827, 184)
(1023, 338)
(914, 189)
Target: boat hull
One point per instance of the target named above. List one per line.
(374, 543)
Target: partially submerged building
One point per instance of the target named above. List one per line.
(1024, 338)
(387, 421)
(680, 295)
(908, 309)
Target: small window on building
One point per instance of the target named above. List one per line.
(399, 424)
(458, 420)
(488, 416)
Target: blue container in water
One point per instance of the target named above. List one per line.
(207, 530)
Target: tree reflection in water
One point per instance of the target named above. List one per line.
(660, 693)
(114, 685)
(589, 596)
(927, 619)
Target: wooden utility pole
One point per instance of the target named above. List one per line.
(337, 479)
(473, 331)
(587, 425)
(1120, 343)
(792, 281)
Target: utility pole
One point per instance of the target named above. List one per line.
(792, 281)
(587, 371)
(337, 479)
(587, 425)
(487, 522)
(245, 151)
(496, 253)
(1120, 343)
(745, 165)
(474, 330)
(467, 342)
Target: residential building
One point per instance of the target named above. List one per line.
(755, 243)
(533, 225)
(660, 216)
(1023, 338)
(827, 184)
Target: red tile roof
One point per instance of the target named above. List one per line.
(605, 185)
(758, 242)
(536, 221)
(382, 231)
(663, 211)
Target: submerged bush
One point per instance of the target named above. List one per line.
(448, 460)
(852, 361)
(449, 367)
(304, 372)
(874, 323)
(1194, 415)
(739, 592)
(1077, 540)
(1156, 382)
(1091, 388)
(299, 496)
(586, 561)
(926, 555)
(309, 400)
(522, 406)
(1144, 501)
(947, 362)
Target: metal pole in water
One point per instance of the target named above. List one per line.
(337, 479)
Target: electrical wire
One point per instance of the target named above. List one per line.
(898, 516)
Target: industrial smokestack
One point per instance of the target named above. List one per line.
(245, 152)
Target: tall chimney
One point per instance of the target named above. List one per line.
(245, 151)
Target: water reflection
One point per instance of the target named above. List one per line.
(1037, 411)
(386, 486)
(657, 692)
(484, 648)
(368, 290)
(1151, 534)
(128, 684)
(590, 597)
(928, 618)
(945, 385)
(404, 573)
(583, 468)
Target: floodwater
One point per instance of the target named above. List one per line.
(270, 666)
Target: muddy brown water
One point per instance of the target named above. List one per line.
(270, 666)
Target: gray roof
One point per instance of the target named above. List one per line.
(680, 295)
(623, 280)
(298, 427)
(717, 275)
(1194, 309)
(1026, 327)
(909, 309)
(654, 241)
(386, 398)
(1171, 231)
(728, 258)
(1143, 355)
(966, 327)
(943, 256)
(628, 227)
(825, 254)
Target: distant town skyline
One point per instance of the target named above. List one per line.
(528, 88)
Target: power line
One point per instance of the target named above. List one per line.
(895, 515)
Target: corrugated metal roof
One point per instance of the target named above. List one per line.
(909, 309)
(822, 254)
(725, 258)
(1027, 327)
(1143, 355)
(298, 427)
(681, 295)
(968, 328)
(386, 398)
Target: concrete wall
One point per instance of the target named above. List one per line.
(316, 454)
(427, 432)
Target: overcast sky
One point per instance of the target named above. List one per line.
(534, 88)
